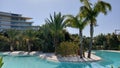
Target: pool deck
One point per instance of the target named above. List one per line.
(53, 57)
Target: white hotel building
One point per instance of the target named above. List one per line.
(15, 21)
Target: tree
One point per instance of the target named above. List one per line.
(44, 36)
(4, 43)
(12, 36)
(100, 41)
(76, 22)
(90, 12)
(56, 26)
(29, 37)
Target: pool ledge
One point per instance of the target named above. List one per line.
(53, 57)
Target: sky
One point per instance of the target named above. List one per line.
(39, 10)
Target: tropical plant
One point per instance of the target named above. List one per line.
(29, 37)
(76, 22)
(90, 12)
(112, 41)
(1, 62)
(99, 42)
(67, 49)
(12, 36)
(56, 26)
(44, 36)
(4, 43)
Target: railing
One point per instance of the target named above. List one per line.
(20, 21)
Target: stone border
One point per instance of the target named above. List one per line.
(53, 57)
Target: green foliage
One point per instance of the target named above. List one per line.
(77, 22)
(45, 38)
(4, 44)
(56, 25)
(29, 37)
(1, 62)
(109, 41)
(90, 13)
(67, 48)
(99, 41)
(119, 47)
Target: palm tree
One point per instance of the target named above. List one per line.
(20, 40)
(29, 37)
(56, 26)
(90, 12)
(45, 36)
(76, 22)
(12, 36)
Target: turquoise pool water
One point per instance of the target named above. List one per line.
(108, 59)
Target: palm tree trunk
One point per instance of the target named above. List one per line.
(81, 48)
(29, 47)
(11, 47)
(55, 45)
(91, 40)
(56, 41)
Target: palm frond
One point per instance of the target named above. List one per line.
(75, 22)
(102, 6)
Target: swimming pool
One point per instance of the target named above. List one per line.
(108, 59)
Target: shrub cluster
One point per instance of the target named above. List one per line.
(67, 49)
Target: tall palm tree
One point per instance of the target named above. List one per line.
(56, 26)
(90, 12)
(77, 22)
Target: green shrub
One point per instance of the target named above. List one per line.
(119, 47)
(67, 49)
(1, 62)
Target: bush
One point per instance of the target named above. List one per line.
(119, 47)
(67, 49)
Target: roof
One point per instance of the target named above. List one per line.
(13, 15)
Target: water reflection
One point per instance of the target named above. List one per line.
(74, 65)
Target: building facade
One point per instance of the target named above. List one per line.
(15, 21)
